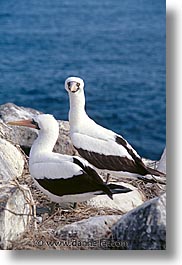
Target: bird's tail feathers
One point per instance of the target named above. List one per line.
(155, 172)
(153, 176)
(115, 189)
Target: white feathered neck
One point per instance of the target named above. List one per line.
(44, 143)
(77, 113)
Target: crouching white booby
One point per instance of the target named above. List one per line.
(63, 178)
(103, 148)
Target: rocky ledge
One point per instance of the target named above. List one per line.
(130, 219)
(25, 136)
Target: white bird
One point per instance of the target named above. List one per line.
(63, 178)
(103, 148)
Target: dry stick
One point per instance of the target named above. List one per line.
(49, 218)
(30, 200)
(19, 214)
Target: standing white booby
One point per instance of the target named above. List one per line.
(63, 178)
(103, 148)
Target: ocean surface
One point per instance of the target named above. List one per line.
(117, 47)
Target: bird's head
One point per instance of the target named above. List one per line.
(74, 84)
(43, 122)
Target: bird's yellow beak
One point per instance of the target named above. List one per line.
(25, 123)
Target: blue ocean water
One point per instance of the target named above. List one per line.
(117, 47)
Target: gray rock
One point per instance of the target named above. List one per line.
(64, 144)
(15, 213)
(93, 232)
(17, 135)
(25, 136)
(10, 111)
(11, 161)
(144, 227)
(123, 201)
(162, 162)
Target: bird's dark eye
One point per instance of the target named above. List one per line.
(69, 84)
(78, 85)
(36, 124)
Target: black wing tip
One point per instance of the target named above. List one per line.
(117, 186)
(107, 191)
(117, 189)
(155, 172)
(111, 189)
(111, 196)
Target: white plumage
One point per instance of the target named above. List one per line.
(103, 148)
(63, 178)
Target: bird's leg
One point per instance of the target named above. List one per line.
(107, 178)
(74, 205)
